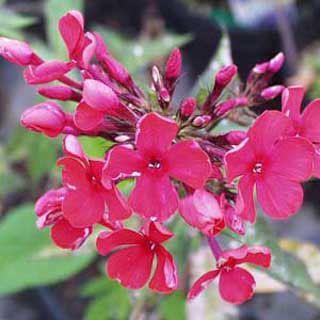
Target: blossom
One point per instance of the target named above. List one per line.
(273, 161)
(173, 65)
(49, 212)
(46, 117)
(236, 285)
(88, 200)
(131, 264)
(306, 124)
(202, 211)
(154, 162)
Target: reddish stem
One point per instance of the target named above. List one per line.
(214, 246)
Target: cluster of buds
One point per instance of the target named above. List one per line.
(177, 163)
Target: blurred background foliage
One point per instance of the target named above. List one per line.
(28, 259)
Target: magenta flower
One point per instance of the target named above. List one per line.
(236, 285)
(273, 162)
(88, 201)
(306, 124)
(49, 212)
(132, 263)
(154, 162)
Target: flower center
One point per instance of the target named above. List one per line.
(257, 168)
(154, 164)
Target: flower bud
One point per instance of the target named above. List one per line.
(164, 95)
(276, 63)
(230, 104)
(17, 52)
(46, 117)
(272, 92)
(201, 121)
(101, 47)
(260, 68)
(235, 137)
(225, 75)
(117, 71)
(188, 105)
(62, 93)
(173, 66)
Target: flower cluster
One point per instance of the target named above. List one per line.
(170, 151)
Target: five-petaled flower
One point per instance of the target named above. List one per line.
(273, 160)
(132, 263)
(154, 161)
(236, 285)
(88, 200)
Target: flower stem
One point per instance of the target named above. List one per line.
(214, 246)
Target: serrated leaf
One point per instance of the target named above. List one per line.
(54, 10)
(28, 257)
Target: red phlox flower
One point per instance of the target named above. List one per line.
(154, 162)
(236, 285)
(306, 123)
(202, 211)
(273, 161)
(98, 102)
(49, 212)
(131, 264)
(88, 200)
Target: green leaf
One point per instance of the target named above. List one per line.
(54, 10)
(28, 257)
(135, 54)
(173, 307)
(110, 300)
(285, 267)
(95, 147)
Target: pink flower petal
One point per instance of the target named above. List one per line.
(67, 237)
(165, 278)
(189, 163)
(122, 161)
(239, 160)
(155, 133)
(154, 197)
(316, 165)
(279, 197)
(202, 283)
(118, 208)
(268, 129)
(257, 255)
(83, 209)
(86, 118)
(292, 158)
(236, 285)
(244, 204)
(157, 232)
(291, 102)
(108, 241)
(310, 121)
(72, 147)
(131, 266)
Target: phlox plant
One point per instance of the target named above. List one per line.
(179, 164)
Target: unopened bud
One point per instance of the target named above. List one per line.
(230, 104)
(272, 92)
(18, 52)
(201, 121)
(47, 118)
(173, 66)
(164, 95)
(276, 63)
(62, 93)
(188, 105)
(225, 75)
(235, 137)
